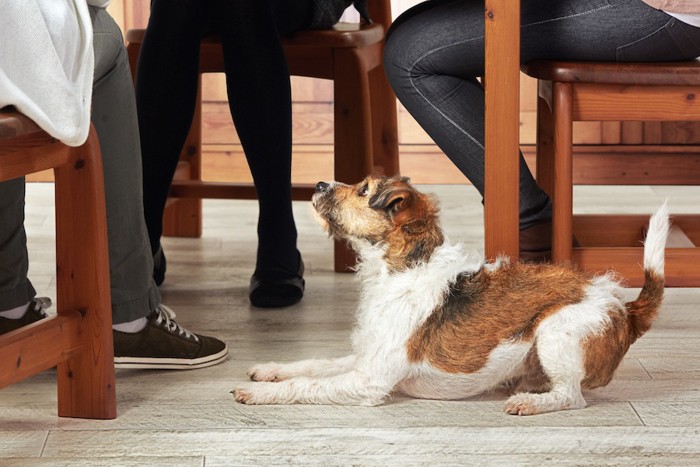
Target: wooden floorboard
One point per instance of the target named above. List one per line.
(648, 415)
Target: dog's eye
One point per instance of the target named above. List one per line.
(364, 190)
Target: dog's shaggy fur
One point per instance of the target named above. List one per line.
(436, 321)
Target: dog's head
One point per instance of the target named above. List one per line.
(380, 210)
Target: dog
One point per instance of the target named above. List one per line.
(436, 321)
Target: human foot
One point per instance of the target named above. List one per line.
(276, 287)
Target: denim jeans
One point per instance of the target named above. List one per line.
(134, 294)
(435, 52)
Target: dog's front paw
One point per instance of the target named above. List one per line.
(266, 372)
(263, 394)
(244, 395)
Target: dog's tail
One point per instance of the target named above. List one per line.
(644, 309)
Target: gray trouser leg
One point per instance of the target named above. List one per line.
(134, 294)
(15, 288)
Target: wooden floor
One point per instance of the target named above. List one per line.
(648, 415)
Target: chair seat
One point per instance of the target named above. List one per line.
(14, 125)
(343, 35)
(667, 73)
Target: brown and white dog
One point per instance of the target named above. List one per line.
(435, 321)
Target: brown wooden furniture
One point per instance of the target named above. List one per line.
(79, 338)
(365, 116)
(502, 125)
(581, 91)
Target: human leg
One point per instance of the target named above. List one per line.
(134, 294)
(292, 16)
(433, 56)
(435, 51)
(15, 288)
(604, 30)
(259, 93)
(16, 291)
(166, 89)
(145, 335)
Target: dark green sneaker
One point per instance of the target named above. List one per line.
(35, 312)
(164, 344)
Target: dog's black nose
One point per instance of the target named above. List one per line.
(322, 187)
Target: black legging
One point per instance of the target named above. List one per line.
(259, 96)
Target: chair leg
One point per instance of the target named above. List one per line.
(86, 386)
(351, 114)
(183, 216)
(544, 164)
(353, 135)
(562, 215)
(385, 137)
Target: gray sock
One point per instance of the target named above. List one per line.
(131, 327)
(15, 313)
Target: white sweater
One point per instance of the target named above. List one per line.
(47, 64)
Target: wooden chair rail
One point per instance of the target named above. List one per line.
(79, 338)
(228, 190)
(627, 263)
(40, 346)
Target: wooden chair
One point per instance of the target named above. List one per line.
(79, 338)
(365, 116)
(581, 91)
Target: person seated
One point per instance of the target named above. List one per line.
(69, 66)
(260, 101)
(435, 52)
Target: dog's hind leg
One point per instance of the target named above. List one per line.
(564, 396)
(531, 377)
(273, 371)
(565, 393)
(560, 355)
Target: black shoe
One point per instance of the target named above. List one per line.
(277, 288)
(164, 344)
(159, 266)
(35, 311)
(326, 13)
(536, 243)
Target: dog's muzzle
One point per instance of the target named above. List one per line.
(322, 187)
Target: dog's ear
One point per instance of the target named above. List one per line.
(391, 198)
